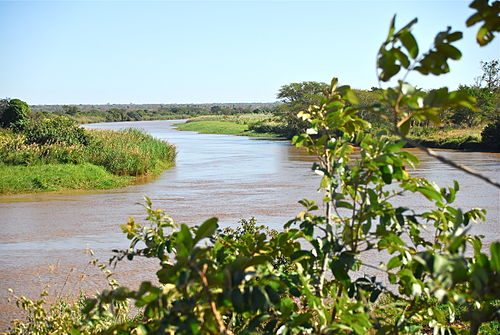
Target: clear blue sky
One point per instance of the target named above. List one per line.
(200, 52)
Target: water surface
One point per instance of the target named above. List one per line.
(44, 236)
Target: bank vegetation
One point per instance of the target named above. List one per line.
(51, 154)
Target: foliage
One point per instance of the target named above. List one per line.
(111, 113)
(491, 136)
(126, 152)
(104, 160)
(61, 317)
(14, 113)
(486, 101)
(54, 130)
(489, 15)
(315, 276)
(311, 277)
(296, 97)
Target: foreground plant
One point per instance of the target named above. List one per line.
(316, 276)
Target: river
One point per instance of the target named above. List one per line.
(44, 236)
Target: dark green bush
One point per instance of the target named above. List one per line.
(14, 113)
(491, 136)
(55, 130)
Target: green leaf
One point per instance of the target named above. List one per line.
(184, 241)
(449, 50)
(404, 128)
(410, 43)
(286, 307)
(339, 271)
(300, 255)
(343, 204)
(392, 28)
(402, 58)
(430, 193)
(394, 262)
(461, 98)
(351, 97)
(260, 259)
(495, 256)
(396, 146)
(207, 229)
(457, 35)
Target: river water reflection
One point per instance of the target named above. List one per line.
(44, 235)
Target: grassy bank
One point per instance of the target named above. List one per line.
(263, 125)
(229, 125)
(58, 177)
(100, 159)
(467, 139)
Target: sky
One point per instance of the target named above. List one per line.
(99, 52)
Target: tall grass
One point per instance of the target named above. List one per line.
(129, 152)
(109, 159)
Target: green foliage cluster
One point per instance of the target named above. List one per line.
(13, 113)
(97, 157)
(55, 130)
(53, 141)
(296, 97)
(315, 275)
(62, 317)
(491, 136)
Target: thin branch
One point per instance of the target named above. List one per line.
(447, 161)
(217, 316)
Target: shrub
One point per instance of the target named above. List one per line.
(491, 136)
(55, 130)
(14, 113)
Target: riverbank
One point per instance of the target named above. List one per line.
(98, 160)
(226, 124)
(463, 139)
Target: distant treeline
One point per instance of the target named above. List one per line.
(133, 112)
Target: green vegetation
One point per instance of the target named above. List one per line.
(55, 154)
(57, 177)
(313, 276)
(460, 127)
(105, 113)
(230, 125)
(13, 113)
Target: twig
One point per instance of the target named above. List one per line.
(447, 161)
(217, 316)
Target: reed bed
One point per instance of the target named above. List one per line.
(110, 159)
(129, 152)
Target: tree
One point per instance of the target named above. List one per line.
(296, 97)
(490, 76)
(70, 110)
(14, 113)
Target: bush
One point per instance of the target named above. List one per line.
(491, 136)
(55, 130)
(14, 113)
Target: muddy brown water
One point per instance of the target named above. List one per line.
(44, 236)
